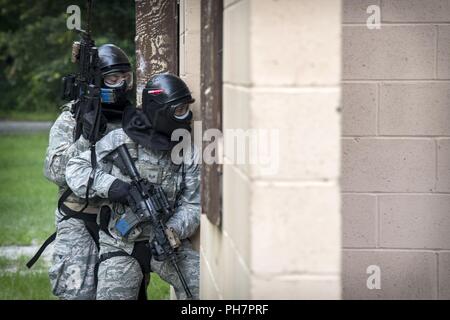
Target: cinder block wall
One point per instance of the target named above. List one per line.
(189, 60)
(396, 149)
(281, 235)
(189, 63)
(189, 68)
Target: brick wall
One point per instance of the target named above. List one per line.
(280, 236)
(396, 149)
(190, 50)
(189, 61)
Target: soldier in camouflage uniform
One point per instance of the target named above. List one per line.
(72, 273)
(146, 133)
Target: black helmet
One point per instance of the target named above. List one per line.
(113, 59)
(162, 96)
(117, 75)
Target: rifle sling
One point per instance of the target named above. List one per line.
(89, 221)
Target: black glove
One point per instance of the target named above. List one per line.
(119, 191)
(88, 122)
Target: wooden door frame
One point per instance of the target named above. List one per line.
(211, 101)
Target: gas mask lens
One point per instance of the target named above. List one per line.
(181, 110)
(116, 79)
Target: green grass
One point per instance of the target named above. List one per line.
(27, 199)
(19, 283)
(30, 286)
(158, 288)
(28, 116)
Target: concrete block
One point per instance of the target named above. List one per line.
(308, 125)
(414, 109)
(192, 51)
(295, 42)
(295, 229)
(359, 109)
(236, 116)
(392, 52)
(297, 288)
(236, 205)
(192, 15)
(416, 11)
(443, 165)
(415, 221)
(208, 290)
(388, 165)
(359, 216)
(443, 52)
(404, 275)
(236, 43)
(236, 274)
(444, 275)
(212, 249)
(355, 11)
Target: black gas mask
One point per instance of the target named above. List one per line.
(117, 81)
(165, 108)
(165, 102)
(167, 118)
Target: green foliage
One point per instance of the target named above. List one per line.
(35, 47)
(27, 199)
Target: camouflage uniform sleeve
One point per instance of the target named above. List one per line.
(79, 168)
(186, 218)
(61, 148)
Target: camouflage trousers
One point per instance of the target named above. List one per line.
(74, 258)
(120, 277)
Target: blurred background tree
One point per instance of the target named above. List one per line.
(35, 48)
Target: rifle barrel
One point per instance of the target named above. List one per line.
(128, 162)
(181, 277)
(89, 10)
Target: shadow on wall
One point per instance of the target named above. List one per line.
(396, 151)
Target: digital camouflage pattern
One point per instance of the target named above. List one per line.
(75, 253)
(119, 277)
(61, 148)
(74, 258)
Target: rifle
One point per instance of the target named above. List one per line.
(149, 204)
(84, 88)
